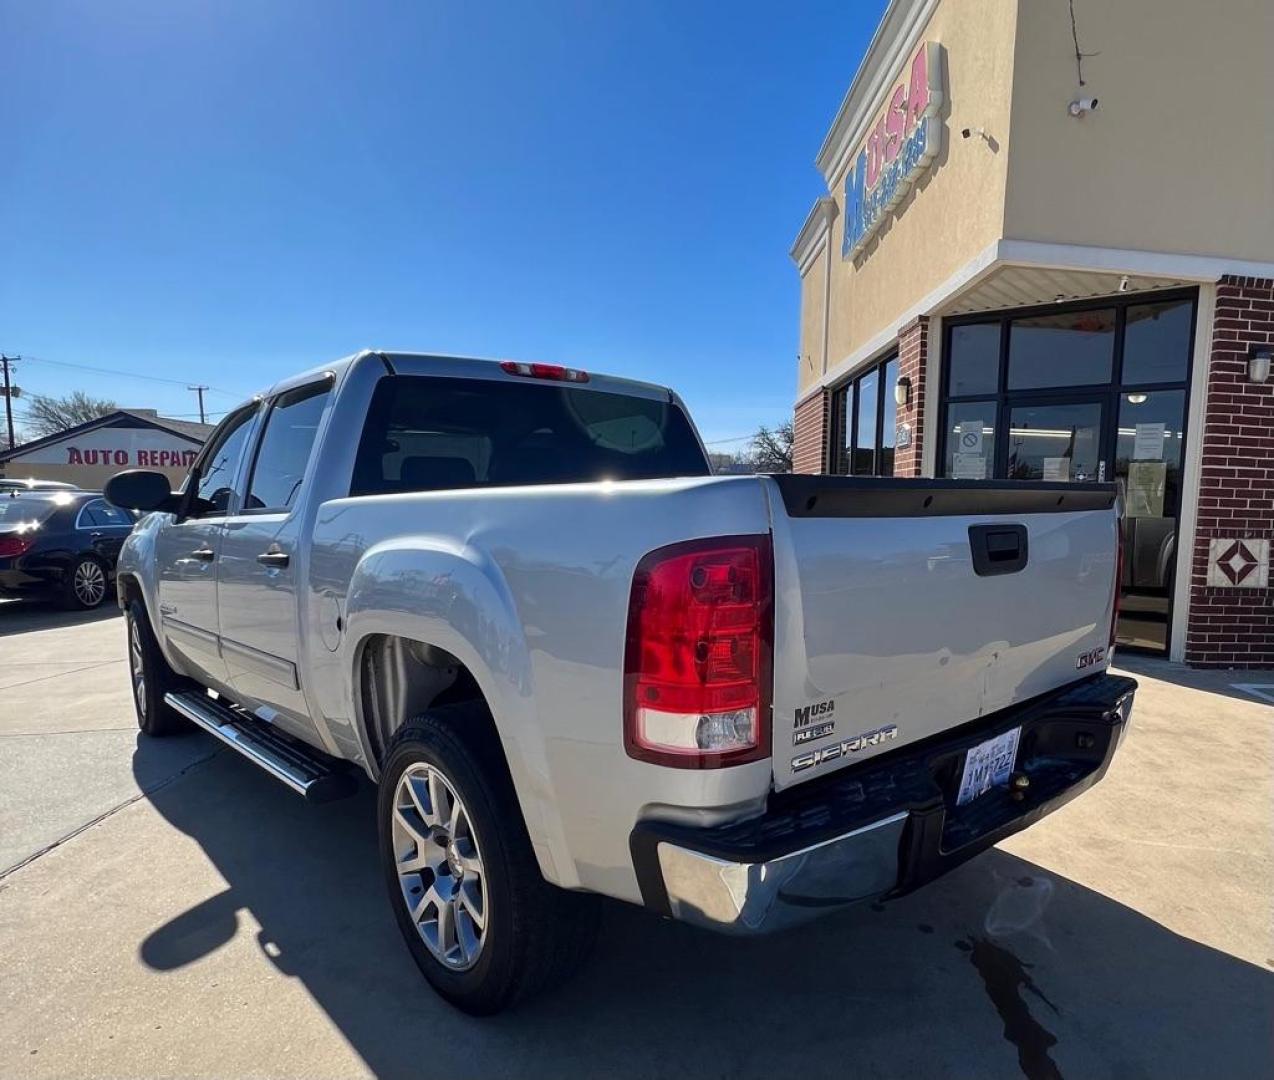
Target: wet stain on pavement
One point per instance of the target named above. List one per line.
(1005, 977)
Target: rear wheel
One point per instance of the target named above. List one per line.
(151, 677)
(85, 585)
(482, 924)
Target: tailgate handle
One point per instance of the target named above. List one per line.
(998, 549)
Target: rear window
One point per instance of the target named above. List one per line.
(424, 434)
(29, 509)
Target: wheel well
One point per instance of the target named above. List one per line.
(126, 589)
(400, 678)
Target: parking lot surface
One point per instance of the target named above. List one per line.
(168, 910)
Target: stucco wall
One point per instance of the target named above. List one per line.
(955, 209)
(813, 309)
(1179, 155)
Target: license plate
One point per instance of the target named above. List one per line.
(987, 765)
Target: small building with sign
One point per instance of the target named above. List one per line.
(1045, 251)
(90, 454)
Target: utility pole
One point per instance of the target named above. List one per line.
(199, 390)
(8, 397)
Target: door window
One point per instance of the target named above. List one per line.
(98, 513)
(219, 469)
(285, 448)
(1055, 442)
(1148, 458)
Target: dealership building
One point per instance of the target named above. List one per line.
(1046, 252)
(90, 454)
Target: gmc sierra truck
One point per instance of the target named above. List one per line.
(575, 662)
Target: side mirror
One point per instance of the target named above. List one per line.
(139, 489)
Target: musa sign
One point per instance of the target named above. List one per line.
(904, 141)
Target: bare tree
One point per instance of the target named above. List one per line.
(771, 450)
(51, 415)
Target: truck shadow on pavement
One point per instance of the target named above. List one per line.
(1000, 969)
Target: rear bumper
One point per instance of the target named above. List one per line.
(884, 828)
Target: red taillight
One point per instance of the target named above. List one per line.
(1119, 584)
(697, 662)
(13, 546)
(543, 371)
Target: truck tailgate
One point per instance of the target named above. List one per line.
(904, 608)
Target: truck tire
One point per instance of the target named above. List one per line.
(482, 924)
(151, 677)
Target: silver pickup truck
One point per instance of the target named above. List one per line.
(576, 663)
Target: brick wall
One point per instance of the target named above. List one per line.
(913, 350)
(809, 449)
(1234, 627)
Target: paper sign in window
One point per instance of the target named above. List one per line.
(970, 437)
(1146, 483)
(968, 467)
(1057, 468)
(1148, 443)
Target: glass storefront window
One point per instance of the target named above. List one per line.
(1157, 342)
(1055, 442)
(975, 359)
(864, 463)
(970, 441)
(888, 419)
(1067, 349)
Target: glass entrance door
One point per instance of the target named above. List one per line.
(1147, 466)
(1081, 392)
(1056, 440)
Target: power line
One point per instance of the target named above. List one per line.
(126, 374)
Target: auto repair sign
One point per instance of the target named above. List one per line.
(900, 147)
(123, 448)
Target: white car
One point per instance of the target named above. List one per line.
(575, 662)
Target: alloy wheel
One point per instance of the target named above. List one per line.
(439, 866)
(89, 583)
(137, 664)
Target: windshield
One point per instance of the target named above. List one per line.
(19, 510)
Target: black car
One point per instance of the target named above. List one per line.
(60, 545)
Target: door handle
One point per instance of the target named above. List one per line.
(273, 558)
(95, 536)
(203, 554)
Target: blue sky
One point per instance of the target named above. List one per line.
(228, 192)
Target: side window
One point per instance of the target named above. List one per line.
(285, 447)
(220, 464)
(101, 514)
(88, 517)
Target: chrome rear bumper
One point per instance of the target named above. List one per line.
(749, 898)
(883, 828)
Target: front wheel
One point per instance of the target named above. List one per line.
(151, 677)
(482, 924)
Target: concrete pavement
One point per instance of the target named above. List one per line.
(211, 924)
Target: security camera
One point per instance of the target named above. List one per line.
(965, 133)
(968, 133)
(1082, 106)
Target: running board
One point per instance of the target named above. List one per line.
(307, 772)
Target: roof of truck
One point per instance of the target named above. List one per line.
(443, 364)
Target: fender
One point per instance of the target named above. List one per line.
(453, 596)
